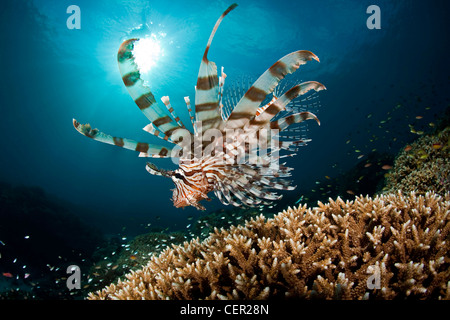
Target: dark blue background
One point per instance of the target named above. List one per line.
(50, 74)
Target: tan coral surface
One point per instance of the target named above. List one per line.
(391, 246)
(422, 166)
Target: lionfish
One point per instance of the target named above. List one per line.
(231, 151)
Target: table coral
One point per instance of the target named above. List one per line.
(390, 246)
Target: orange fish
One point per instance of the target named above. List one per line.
(350, 192)
(437, 145)
(408, 148)
(386, 167)
(133, 257)
(367, 165)
(419, 117)
(7, 274)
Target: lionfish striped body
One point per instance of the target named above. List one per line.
(235, 154)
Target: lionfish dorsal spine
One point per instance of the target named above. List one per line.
(161, 119)
(187, 100)
(207, 108)
(166, 101)
(147, 149)
(221, 85)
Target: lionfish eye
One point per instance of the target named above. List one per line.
(178, 175)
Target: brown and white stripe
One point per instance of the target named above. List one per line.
(151, 150)
(207, 108)
(266, 83)
(221, 84)
(160, 117)
(264, 107)
(285, 122)
(278, 105)
(171, 110)
(191, 114)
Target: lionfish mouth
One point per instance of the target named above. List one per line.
(190, 201)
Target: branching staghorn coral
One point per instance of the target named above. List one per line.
(392, 246)
(423, 166)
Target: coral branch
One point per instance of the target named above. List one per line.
(390, 246)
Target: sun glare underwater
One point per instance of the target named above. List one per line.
(147, 53)
(259, 141)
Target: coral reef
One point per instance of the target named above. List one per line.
(225, 218)
(117, 259)
(39, 237)
(390, 246)
(422, 166)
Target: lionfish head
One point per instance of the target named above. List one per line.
(189, 189)
(187, 193)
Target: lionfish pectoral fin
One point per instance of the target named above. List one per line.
(265, 85)
(285, 122)
(151, 150)
(280, 103)
(268, 112)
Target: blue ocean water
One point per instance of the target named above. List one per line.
(378, 81)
